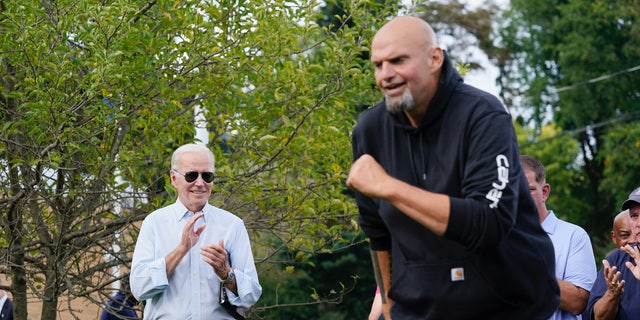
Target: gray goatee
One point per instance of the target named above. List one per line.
(404, 103)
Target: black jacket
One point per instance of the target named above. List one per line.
(495, 261)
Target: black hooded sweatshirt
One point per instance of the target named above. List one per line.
(494, 261)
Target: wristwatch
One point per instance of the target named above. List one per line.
(230, 277)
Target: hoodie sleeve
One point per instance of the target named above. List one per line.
(492, 182)
(369, 217)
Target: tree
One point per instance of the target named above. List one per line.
(621, 159)
(95, 96)
(571, 62)
(461, 29)
(337, 283)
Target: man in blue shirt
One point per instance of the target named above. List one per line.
(121, 305)
(187, 252)
(616, 292)
(575, 263)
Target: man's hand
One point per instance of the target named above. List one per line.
(634, 252)
(187, 241)
(615, 286)
(367, 176)
(189, 236)
(216, 256)
(607, 306)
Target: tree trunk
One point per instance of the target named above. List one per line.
(50, 300)
(16, 229)
(19, 287)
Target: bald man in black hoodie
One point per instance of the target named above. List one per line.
(454, 231)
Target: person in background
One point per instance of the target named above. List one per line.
(620, 236)
(441, 195)
(121, 305)
(621, 233)
(6, 306)
(575, 262)
(191, 257)
(616, 292)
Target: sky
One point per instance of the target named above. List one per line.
(484, 79)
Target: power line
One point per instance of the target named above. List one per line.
(587, 127)
(594, 80)
(595, 125)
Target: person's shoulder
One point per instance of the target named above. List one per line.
(373, 112)
(478, 96)
(617, 257)
(160, 215)
(371, 120)
(569, 225)
(572, 228)
(160, 212)
(222, 213)
(119, 296)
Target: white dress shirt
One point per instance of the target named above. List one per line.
(192, 291)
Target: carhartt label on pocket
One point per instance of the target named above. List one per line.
(457, 274)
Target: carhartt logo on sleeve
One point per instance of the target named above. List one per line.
(503, 178)
(457, 274)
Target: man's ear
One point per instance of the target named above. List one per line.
(172, 177)
(437, 57)
(546, 191)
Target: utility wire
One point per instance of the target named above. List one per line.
(594, 80)
(595, 125)
(585, 128)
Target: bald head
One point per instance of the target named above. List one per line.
(407, 63)
(413, 30)
(621, 233)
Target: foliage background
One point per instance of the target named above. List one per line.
(571, 69)
(96, 95)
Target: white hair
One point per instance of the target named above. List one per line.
(191, 147)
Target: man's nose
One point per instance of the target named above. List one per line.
(199, 180)
(386, 71)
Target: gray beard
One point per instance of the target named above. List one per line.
(402, 104)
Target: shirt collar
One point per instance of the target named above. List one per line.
(181, 211)
(550, 222)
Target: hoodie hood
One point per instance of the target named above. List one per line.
(449, 79)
